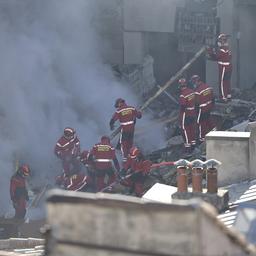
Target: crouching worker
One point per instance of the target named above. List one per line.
(76, 182)
(19, 192)
(138, 168)
(78, 179)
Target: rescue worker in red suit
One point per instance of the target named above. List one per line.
(127, 116)
(103, 156)
(18, 191)
(75, 182)
(204, 104)
(68, 150)
(138, 167)
(88, 163)
(223, 56)
(187, 115)
(78, 180)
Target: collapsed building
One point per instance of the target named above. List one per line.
(134, 57)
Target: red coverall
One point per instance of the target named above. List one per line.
(68, 151)
(103, 154)
(19, 195)
(88, 163)
(187, 117)
(76, 182)
(139, 168)
(205, 103)
(223, 56)
(127, 117)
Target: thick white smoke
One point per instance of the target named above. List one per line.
(51, 76)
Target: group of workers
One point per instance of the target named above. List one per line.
(197, 98)
(101, 161)
(196, 103)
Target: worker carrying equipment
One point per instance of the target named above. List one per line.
(223, 57)
(127, 116)
(67, 149)
(204, 104)
(187, 115)
(103, 157)
(19, 192)
(138, 167)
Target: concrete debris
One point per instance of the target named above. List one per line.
(140, 77)
(227, 116)
(21, 243)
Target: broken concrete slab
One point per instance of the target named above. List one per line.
(160, 193)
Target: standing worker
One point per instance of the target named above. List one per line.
(205, 104)
(223, 56)
(19, 192)
(103, 155)
(67, 149)
(187, 115)
(127, 116)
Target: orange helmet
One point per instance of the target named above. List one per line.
(24, 170)
(182, 82)
(69, 133)
(134, 152)
(119, 102)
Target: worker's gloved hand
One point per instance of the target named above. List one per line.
(121, 173)
(15, 204)
(209, 49)
(129, 171)
(146, 167)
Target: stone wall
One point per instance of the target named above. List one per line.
(104, 224)
(232, 149)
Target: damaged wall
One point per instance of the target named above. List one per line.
(131, 29)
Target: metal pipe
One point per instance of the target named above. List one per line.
(197, 174)
(212, 180)
(182, 179)
(169, 95)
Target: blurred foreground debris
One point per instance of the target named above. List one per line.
(119, 231)
(22, 246)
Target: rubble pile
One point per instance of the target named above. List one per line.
(225, 116)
